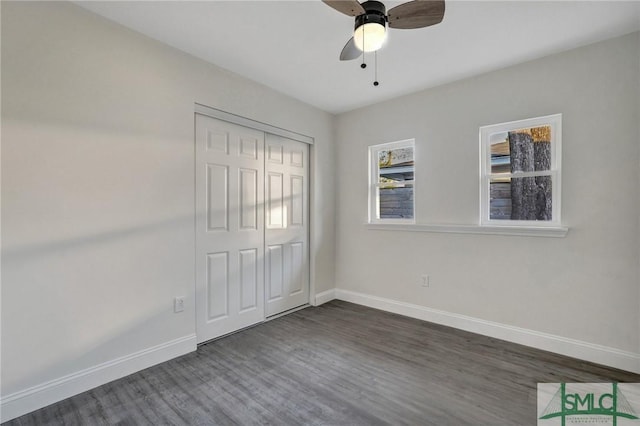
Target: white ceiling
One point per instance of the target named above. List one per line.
(293, 46)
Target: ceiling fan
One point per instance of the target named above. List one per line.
(372, 19)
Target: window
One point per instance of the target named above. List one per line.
(520, 172)
(391, 182)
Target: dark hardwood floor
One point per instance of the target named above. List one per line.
(337, 364)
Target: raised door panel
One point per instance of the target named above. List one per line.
(297, 200)
(274, 152)
(276, 215)
(248, 260)
(217, 197)
(296, 157)
(275, 272)
(248, 210)
(217, 140)
(217, 285)
(297, 267)
(249, 147)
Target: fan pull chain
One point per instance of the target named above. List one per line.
(363, 65)
(375, 58)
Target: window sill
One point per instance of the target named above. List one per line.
(526, 231)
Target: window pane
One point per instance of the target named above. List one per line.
(395, 165)
(500, 158)
(396, 202)
(522, 150)
(527, 198)
(391, 183)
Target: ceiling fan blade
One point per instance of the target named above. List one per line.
(350, 51)
(416, 14)
(348, 7)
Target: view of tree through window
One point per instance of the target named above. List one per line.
(527, 152)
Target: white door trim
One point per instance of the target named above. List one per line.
(253, 124)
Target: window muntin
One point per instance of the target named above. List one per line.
(391, 182)
(520, 172)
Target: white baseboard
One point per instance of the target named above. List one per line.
(628, 361)
(325, 296)
(31, 399)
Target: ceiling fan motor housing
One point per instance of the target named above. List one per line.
(375, 13)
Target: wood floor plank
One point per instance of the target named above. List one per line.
(337, 364)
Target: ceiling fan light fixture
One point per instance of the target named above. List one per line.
(370, 36)
(371, 26)
(372, 19)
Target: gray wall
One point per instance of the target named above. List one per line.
(583, 286)
(98, 192)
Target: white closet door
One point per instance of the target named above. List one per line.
(287, 224)
(229, 227)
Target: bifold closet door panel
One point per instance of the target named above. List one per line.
(287, 224)
(229, 191)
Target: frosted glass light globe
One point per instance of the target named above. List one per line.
(369, 37)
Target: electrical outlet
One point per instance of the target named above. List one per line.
(425, 281)
(178, 304)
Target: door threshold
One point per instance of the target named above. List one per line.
(230, 333)
(287, 312)
(272, 317)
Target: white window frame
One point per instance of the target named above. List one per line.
(374, 204)
(555, 122)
